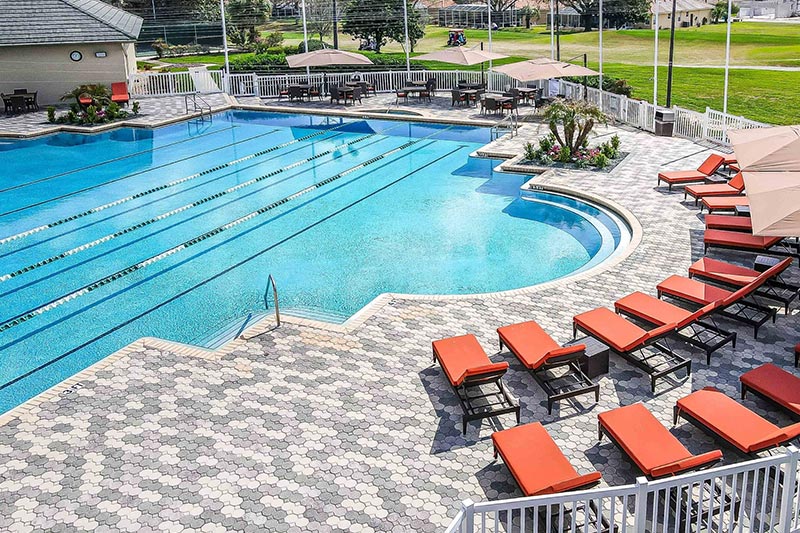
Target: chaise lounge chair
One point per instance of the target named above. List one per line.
(774, 384)
(730, 275)
(723, 203)
(732, 188)
(631, 342)
(683, 177)
(541, 355)
(469, 370)
(537, 463)
(733, 304)
(712, 410)
(729, 223)
(734, 240)
(694, 327)
(654, 450)
(119, 93)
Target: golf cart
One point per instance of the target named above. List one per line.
(456, 38)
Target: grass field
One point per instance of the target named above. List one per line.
(763, 95)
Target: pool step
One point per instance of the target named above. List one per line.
(229, 331)
(315, 313)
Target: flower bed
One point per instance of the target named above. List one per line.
(549, 152)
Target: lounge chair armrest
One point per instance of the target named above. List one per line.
(585, 480)
(661, 331)
(484, 369)
(565, 354)
(793, 431)
(690, 463)
(773, 439)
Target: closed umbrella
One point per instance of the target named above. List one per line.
(461, 56)
(770, 163)
(543, 69)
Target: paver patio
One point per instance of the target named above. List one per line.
(307, 428)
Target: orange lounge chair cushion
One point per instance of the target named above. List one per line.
(734, 422)
(536, 461)
(602, 323)
(738, 239)
(692, 290)
(463, 356)
(733, 187)
(711, 164)
(532, 345)
(682, 176)
(729, 222)
(647, 442)
(659, 312)
(724, 202)
(775, 383)
(723, 271)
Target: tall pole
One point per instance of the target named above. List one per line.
(727, 60)
(600, 41)
(489, 9)
(335, 26)
(552, 32)
(671, 52)
(153, 3)
(224, 37)
(558, 34)
(655, 54)
(407, 45)
(305, 36)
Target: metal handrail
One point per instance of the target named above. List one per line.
(271, 282)
(202, 107)
(513, 119)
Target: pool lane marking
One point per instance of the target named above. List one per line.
(162, 230)
(212, 278)
(120, 158)
(57, 302)
(134, 174)
(181, 209)
(174, 183)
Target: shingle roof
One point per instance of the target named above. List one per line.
(665, 6)
(31, 22)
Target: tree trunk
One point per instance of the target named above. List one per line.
(587, 22)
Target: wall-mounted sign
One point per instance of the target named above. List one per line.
(100, 54)
(75, 55)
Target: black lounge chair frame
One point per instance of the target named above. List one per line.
(483, 404)
(769, 291)
(749, 312)
(782, 248)
(745, 389)
(704, 334)
(648, 363)
(559, 386)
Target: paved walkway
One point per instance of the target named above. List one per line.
(315, 429)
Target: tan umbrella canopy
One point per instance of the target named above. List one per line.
(543, 69)
(325, 57)
(461, 56)
(770, 163)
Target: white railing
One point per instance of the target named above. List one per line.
(717, 125)
(757, 496)
(167, 83)
(637, 113)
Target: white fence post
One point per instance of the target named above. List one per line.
(640, 504)
(468, 506)
(256, 88)
(790, 493)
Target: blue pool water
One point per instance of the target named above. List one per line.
(172, 232)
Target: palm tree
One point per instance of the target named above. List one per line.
(98, 93)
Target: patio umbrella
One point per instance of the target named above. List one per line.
(543, 69)
(461, 56)
(326, 57)
(770, 163)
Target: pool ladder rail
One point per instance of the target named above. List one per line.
(271, 283)
(198, 104)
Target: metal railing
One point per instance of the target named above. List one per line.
(508, 124)
(202, 106)
(271, 283)
(756, 496)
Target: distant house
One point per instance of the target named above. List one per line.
(688, 13)
(52, 46)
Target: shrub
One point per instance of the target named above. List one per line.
(531, 153)
(249, 63)
(272, 39)
(113, 111)
(164, 49)
(571, 122)
(600, 160)
(564, 154)
(615, 142)
(313, 44)
(547, 142)
(135, 108)
(51, 114)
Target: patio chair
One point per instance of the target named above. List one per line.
(723, 203)
(745, 242)
(315, 91)
(296, 93)
(398, 94)
(283, 92)
(555, 368)
(650, 445)
(730, 275)
(510, 106)
(683, 177)
(724, 417)
(365, 88)
(490, 105)
(697, 328)
(431, 86)
(335, 94)
(733, 188)
(6, 103)
(353, 95)
(729, 223)
(537, 463)
(17, 104)
(646, 350)
(471, 373)
(119, 93)
(457, 97)
(20, 91)
(775, 385)
(741, 305)
(32, 101)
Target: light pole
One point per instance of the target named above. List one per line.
(600, 40)
(224, 37)
(305, 38)
(655, 55)
(727, 59)
(671, 52)
(552, 32)
(335, 27)
(407, 45)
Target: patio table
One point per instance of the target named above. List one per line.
(416, 83)
(471, 94)
(470, 86)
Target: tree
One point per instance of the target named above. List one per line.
(319, 17)
(575, 118)
(377, 21)
(719, 13)
(616, 13)
(529, 13)
(242, 18)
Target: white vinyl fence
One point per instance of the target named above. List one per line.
(756, 496)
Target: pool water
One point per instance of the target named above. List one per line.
(173, 232)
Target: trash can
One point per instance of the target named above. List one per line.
(665, 122)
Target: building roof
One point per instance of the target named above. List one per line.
(32, 22)
(665, 6)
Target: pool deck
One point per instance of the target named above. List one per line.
(351, 428)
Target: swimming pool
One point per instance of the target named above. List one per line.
(172, 232)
